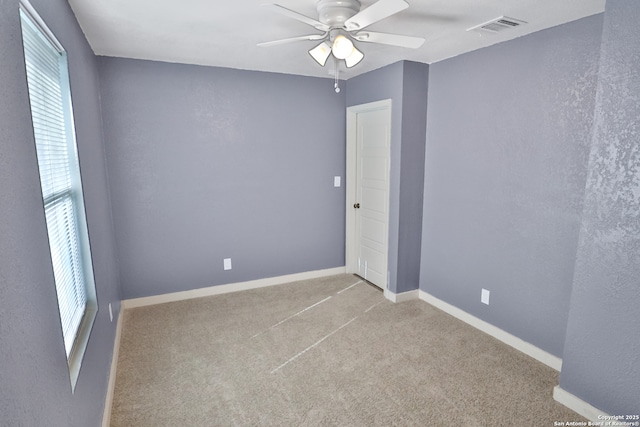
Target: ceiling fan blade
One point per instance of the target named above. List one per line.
(390, 39)
(293, 39)
(298, 17)
(374, 13)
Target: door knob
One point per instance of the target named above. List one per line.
(356, 205)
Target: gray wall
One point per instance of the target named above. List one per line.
(506, 163)
(414, 129)
(405, 83)
(35, 388)
(602, 352)
(210, 163)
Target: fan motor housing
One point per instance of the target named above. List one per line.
(335, 12)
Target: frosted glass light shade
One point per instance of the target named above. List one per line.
(353, 59)
(320, 53)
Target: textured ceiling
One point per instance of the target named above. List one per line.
(225, 33)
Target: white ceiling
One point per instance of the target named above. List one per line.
(225, 33)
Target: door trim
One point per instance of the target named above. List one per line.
(351, 254)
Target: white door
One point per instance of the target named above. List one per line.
(368, 161)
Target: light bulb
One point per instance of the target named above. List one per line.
(342, 47)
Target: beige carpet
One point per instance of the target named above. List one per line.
(321, 353)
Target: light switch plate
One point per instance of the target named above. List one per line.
(336, 181)
(227, 263)
(484, 297)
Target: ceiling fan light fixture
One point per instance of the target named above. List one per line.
(342, 22)
(320, 53)
(342, 47)
(353, 59)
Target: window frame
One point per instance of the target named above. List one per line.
(75, 195)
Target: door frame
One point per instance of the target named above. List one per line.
(351, 252)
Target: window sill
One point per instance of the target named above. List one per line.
(77, 354)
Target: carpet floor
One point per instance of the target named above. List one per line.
(323, 352)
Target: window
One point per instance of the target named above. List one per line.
(54, 133)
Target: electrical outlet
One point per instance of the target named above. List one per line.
(110, 313)
(484, 296)
(227, 263)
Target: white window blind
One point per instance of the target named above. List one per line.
(58, 164)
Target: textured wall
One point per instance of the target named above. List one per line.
(602, 351)
(34, 381)
(506, 160)
(414, 128)
(210, 163)
(405, 83)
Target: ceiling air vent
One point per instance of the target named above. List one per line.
(497, 25)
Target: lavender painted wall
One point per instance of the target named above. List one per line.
(210, 163)
(34, 380)
(506, 162)
(602, 351)
(405, 83)
(414, 129)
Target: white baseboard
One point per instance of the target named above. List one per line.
(232, 287)
(402, 296)
(507, 338)
(106, 415)
(578, 405)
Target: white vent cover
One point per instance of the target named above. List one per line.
(497, 25)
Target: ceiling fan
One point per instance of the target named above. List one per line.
(341, 23)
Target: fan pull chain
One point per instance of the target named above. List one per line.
(337, 70)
